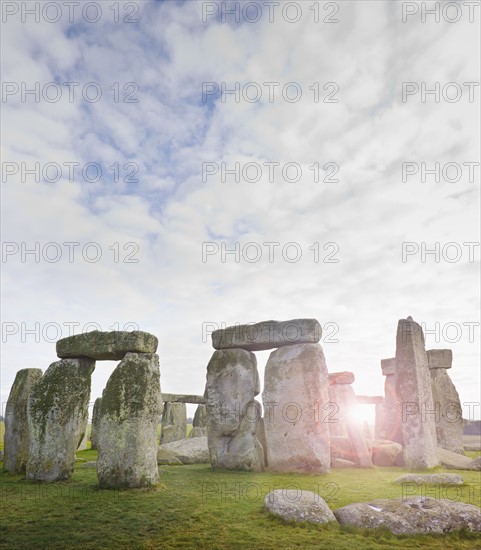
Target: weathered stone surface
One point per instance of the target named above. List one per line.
(183, 398)
(129, 412)
(261, 437)
(294, 505)
(200, 417)
(454, 461)
(94, 429)
(174, 422)
(420, 479)
(344, 377)
(106, 345)
(342, 463)
(449, 414)
(189, 451)
(386, 455)
(82, 446)
(295, 392)
(165, 456)
(16, 439)
(388, 366)
(57, 415)
(440, 358)
(232, 413)
(268, 335)
(340, 398)
(413, 390)
(410, 516)
(198, 432)
(476, 464)
(388, 413)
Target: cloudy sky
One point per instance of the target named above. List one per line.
(123, 126)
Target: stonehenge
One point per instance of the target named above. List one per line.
(307, 421)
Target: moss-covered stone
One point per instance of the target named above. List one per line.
(17, 439)
(57, 414)
(106, 345)
(129, 413)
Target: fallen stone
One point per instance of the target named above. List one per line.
(388, 454)
(165, 456)
(341, 463)
(106, 345)
(57, 413)
(189, 451)
(472, 447)
(439, 479)
(299, 506)
(476, 464)
(129, 413)
(344, 377)
(16, 438)
(232, 412)
(413, 390)
(411, 516)
(88, 464)
(454, 461)
(268, 335)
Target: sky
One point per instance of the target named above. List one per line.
(151, 149)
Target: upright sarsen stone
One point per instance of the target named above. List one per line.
(174, 423)
(129, 413)
(94, 431)
(57, 414)
(232, 412)
(295, 392)
(449, 413)
(413, 390)
(16, 439)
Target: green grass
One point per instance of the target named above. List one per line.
(195, 507)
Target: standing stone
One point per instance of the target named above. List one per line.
(16, 439)
(174, 423)
(388, 414)
(295, 393)
(413, 390)
(449, 414)
(129, 413)
(267, 335)
(57, 414)
(94, 430)
(232, 413)
(199, 424)
(82, 446)
(200, 417)
(339, 396)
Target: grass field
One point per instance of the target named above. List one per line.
(200, 508)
